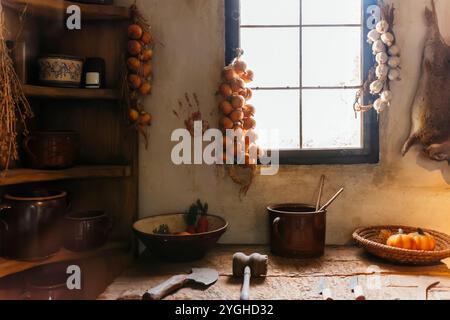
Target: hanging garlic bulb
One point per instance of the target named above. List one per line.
(394, 74)
(382, 26)
(373, 36)
(382, 71)
(379, 105)
(376, 87)
(378, 46)
(386, 96)
(394, 50)
(382, 57)
(388, 38)
(394, 62)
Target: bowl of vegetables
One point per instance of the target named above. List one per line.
(181, 237)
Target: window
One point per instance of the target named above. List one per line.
(310, 58)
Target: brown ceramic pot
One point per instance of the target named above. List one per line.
(30, 224)
(297, 230)
(52, 150)
(88, 230)
(49, 282)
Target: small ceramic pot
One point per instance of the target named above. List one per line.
(60, 70)
(30, 223)
(52, 150)
(87, 230)
(297, 230)
(49, 282)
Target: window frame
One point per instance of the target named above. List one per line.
(370, 153)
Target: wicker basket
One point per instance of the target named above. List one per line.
(369, 239)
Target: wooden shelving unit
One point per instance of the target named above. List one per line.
(95, 114)
(21, 176)
(32, 91)
(55, 9)
(8, 267)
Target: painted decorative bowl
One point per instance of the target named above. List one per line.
(60, 71)
(178, 248)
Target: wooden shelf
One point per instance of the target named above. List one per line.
(21, 176)
(9, 267)
(56, 9)
(70, 93)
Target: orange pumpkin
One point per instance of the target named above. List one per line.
(402, 241)
(423, 241)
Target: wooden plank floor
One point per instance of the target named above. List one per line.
(290, 279)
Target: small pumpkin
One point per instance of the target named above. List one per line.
(402, 240)
(423, 241)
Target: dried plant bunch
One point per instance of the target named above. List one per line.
(14, 107)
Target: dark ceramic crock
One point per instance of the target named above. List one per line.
(86, 230)
(297, 230)
(175, 248)
(30, 223)
(52, 150)
(49, 282)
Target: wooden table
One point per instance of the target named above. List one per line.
(290, 279)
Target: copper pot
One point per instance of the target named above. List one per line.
(30, 223)
(88, 230)
(52, 150)
(297, 230)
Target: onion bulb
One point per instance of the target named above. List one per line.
(228, 73)
(134, 64)
(226, 123)
(145, 89)
(237, 84)
(147, 38)
(147, 54)
(248, 76)
(134, 115)
(237, 101)
(134, 81)
(249, 110)
(237, 115)
(134, 47)
(135, 32)
(240, 67)
(226, 107)
(225, 90)
(249, 123)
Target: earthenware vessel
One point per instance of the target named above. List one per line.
(297, 230)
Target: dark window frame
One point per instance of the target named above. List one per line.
(369, 154)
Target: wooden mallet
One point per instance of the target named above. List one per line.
(254, 265)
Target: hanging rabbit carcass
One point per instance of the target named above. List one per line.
(431, 106)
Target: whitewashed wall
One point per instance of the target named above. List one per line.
(410, 190)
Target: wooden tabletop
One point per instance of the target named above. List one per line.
(290, 279)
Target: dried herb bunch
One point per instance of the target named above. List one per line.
(14, 107)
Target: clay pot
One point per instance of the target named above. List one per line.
(50, 283)
(30, 224)
(52, 150)
(88, 230)
(297, 230)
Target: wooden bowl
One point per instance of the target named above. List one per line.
(176, 248)
(369, 239)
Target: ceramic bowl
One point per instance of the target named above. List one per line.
(178, 248)
(60, 71)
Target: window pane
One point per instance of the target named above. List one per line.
(278, 110)
(331, 56)
(269, 12)
(331, 11)
(329, 120)
(273, 54)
